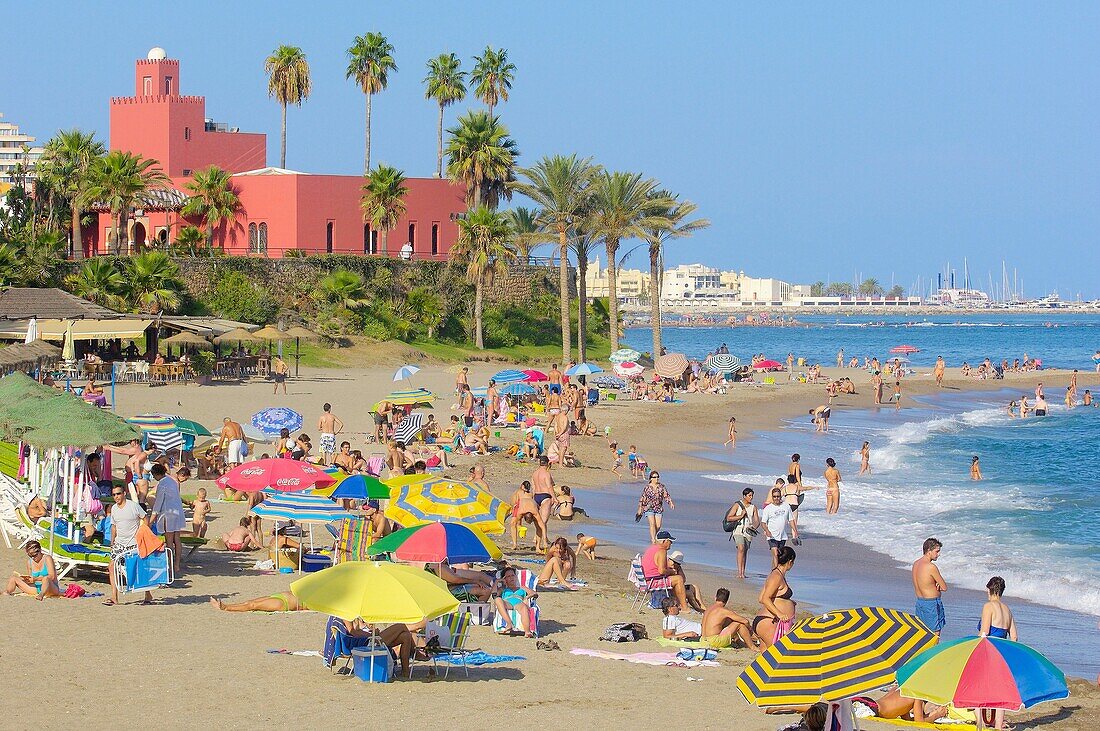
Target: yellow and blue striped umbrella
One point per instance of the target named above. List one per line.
(418, 499)
(833, 656)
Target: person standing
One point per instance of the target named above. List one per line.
(651, 504)
(126, 517)
(466, 405)
(876, 384)
(997, 621)
(865, 459)
(542, 483)
(746, 523)
(731, 437)
(232, 441)
(896, 397)
(462, 380)
(790, 366)
(938, 371)
(329, 425)
(555, 380)
(840, 358)
(832, 487)
(167, 513)
(975, 469)
(929, 586)
(775, 519)
(279, 373)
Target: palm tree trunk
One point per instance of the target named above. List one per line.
(655, 300)
(122, 236)
(282, 147)
(385, 239)
(613, 291)
(78, 243)
(491, 105)
(439, 165)
(479, 339)
(563, 287)
(477, 196)
(582, 311)
(366, 158)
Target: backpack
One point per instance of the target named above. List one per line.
(729, 526)
(625, 632)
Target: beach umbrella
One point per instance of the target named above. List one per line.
(153, 422)
(672, 365)
(628, 369)
(32, 331)
(904, 349)
(535, 376)
(189, 426)
(375, 592)
(68, 346)
(624, 354)
(416, 499)
(356, 487)
(276, 418)
(409, 428)
(438, 542)
(415, 398)
(236, 335)
(723, 363)
(609, 381)
(187, 337)
(518, 389)
(300, 508)
(834, 656)
(982, 672)
(584, 369)
(509, 375)
(281, 475)
(405, 371)
(768, 365)
(270, 332)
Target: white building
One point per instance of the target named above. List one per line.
(15, 148)
(632, 285)
(694, 284)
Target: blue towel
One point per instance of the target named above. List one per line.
(81, 548)
(477, 658)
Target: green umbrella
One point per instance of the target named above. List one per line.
(194, 428)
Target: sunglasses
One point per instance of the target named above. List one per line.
(116, 494)
(654, 477)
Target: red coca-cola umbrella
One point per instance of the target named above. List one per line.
(278, 475)
(904, 349)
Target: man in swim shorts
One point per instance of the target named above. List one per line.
(929, 586)
(554, 377)
(329, 425)
(720, 624)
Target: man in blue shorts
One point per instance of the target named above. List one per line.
(929, 586)
(555, 379)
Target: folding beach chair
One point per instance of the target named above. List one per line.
(353, 538)
(134, 573)
(339, 644)
(452, 630)
(645, 589)
(527, 580)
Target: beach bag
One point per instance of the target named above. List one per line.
(625, 632)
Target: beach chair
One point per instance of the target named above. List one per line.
(353, 538)
(134, 573)
(645, 589)
(528, 580)
(339, 644)
(453, 630)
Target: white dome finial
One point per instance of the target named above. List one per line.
(156, 53)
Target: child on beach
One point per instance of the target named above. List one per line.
(200, 506)
(617, 460)
(242, 538)
(586, 546)
(632, 460)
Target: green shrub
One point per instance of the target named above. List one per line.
(236, 297)
(202, 363)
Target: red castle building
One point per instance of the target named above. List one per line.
(281, 210)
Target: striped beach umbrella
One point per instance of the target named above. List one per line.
(723, 363)
(628, 369)
(982, 672)
(154, 422)
(438, 542)
(414, 397)
(405, 371)
(834, 656)
(672, 365)
(584, 369)
(276, 418)
(608, 382)
(509, 375)
(417, 499)
(300, 508)
(623, 355)
(409, 428)
(165, 441)
(518, 389)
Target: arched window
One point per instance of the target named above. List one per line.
(253, 239)
(328, 237)
(412, 235)
(263, 238)
(435, 239)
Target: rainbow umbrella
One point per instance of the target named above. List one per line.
(982, 672)
(417, 499)
(357, 487)
(438, 542)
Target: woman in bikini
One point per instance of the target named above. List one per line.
(41, 582)
(284, 601)
(794, 469)
(513, 597)
(865, 459)
(776, 601)
(832, 488)
(996, 621)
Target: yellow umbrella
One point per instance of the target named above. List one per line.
(429, 499)
(376, 592)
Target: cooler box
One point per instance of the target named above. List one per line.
(372, 664)
(312, 562)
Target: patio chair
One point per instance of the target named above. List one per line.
(645, 589)
(134, 573)
(140, 371)
(528, 580)
(453, 630)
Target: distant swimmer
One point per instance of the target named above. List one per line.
(1071, 399)
(1025, 408)
(975, 469)
(1012, 409)
(1073, 383)
(865, 459)
(1086, 400)
(929, 586)
(939, 370)
(840, 358)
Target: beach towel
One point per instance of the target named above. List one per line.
(375, 465)
(147, 542)
(477, 658)
(666, 642)
(646, 658)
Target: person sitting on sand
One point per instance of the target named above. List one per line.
(242, 538)
(41, 580)
(721, 624)
(284, 601)
(694, 598)
(561, 563)
(894, 705)
(675, 627)
(510, 596)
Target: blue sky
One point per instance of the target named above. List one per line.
(822, 140)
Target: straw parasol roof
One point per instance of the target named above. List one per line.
(237, 334)
(297, 331)
(187, 338)
(45, 417)
(270, 332)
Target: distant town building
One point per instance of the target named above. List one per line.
(632, 285)
(753, 290)
(16, 149)
(694, 284)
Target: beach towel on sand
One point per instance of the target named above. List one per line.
(646, 658)
(665, 642)
(477, 658)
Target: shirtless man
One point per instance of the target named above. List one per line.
(462, 380)
(345, 460)
(721, 624)
(135, 457)
(543, 484)
(560, 425)
(554, 377)
(381, 416)
(821, 418)
(466, 406)
(329, 425)
(929, 586)
(524, 508)
(790, 366)
(232, 440)
(832, 488)
(939, 370)
(396, 458)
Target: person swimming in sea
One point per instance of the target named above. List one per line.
(975, 469)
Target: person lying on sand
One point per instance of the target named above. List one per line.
(284, 601)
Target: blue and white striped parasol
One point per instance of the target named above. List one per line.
(272, 420)
(584, 369)
(300, 508)
(518, 389)
(509, 375)
(609, 381)
(409, 428)
(405, 371)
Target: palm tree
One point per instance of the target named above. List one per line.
(41, 258)
(152, 282)
(482, 155)
(344, 288)
(870, 288)
(492, 76)
(446, 83)
(213, 199)
(561, 186)
(119, 181)
(525, 228)
(584, 243)
(289, 82)
(370, 61)
(188, 240)
(485, 245)
(9, 265)
(675, 225)
(384, 200)
(623, 207)
(98, 281)
(426, 308)
(71, 157)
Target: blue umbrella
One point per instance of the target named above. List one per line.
(300, 508)
(584, 369)
(518, 389)
(276, 418)
(405, 371)
(510, 376)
